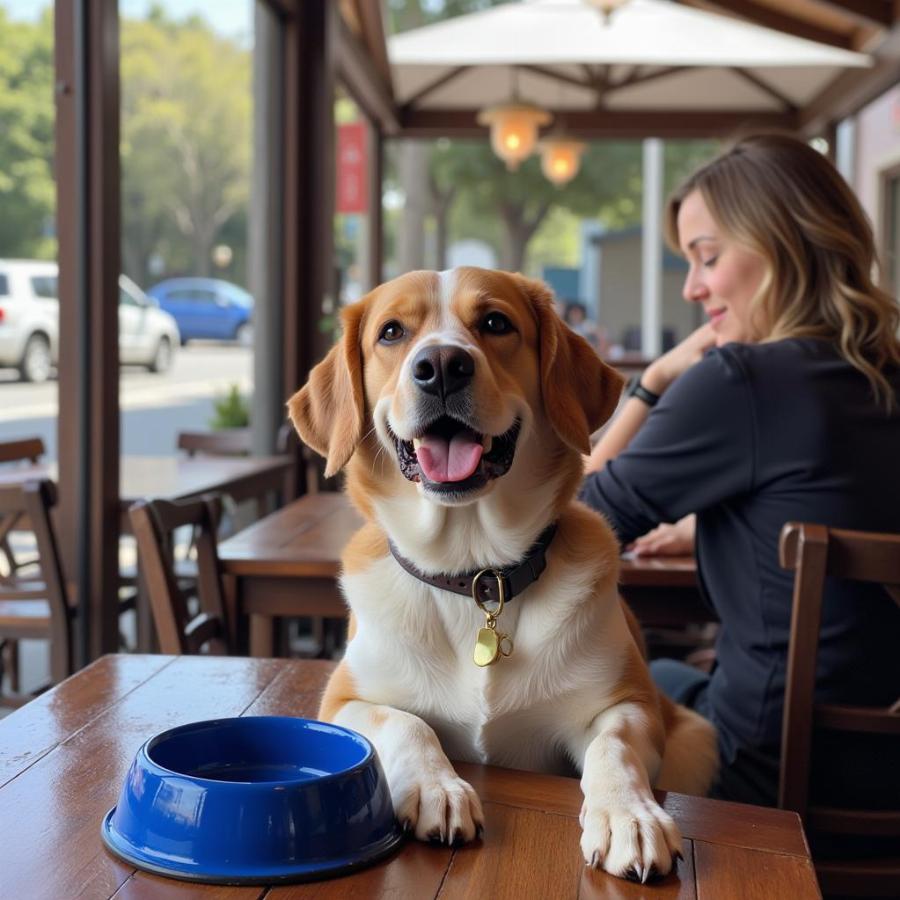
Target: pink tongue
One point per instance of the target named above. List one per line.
(454, 460)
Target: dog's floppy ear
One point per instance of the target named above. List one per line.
(580, 391)
(329, 411)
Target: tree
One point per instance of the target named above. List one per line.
(27, 191)
(186, 141)
(608, 187)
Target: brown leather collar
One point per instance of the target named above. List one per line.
(515, 578)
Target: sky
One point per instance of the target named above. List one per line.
(232, 18)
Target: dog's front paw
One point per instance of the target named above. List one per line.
(636, 840)
(439, 807)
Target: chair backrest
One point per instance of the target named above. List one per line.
(286, 442)
(228, 442)
(179, 631)
(30, 449)
(33, 501)
(814, 552)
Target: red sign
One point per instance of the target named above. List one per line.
(352, 184)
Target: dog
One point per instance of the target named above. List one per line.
(460, 405)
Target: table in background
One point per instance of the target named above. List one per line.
(177, 478)
(64, 755)
(287, 564)
(180, 477)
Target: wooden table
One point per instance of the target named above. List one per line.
(179, 477)
(64, 755)
(663, 591)
(287, 564)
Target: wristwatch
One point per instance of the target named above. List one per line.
(636, 389)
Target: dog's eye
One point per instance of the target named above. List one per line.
(391, 332)
(496, 323)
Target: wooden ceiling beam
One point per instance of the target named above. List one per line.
(363, 81)
(283, 8)
(372, 23)
(605, 123)
(865, 12)
(772, 18)
(847, 94)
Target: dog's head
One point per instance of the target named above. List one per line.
(449, 382)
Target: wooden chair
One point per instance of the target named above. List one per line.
(180, 631)
(31, 449)
(228, 442)
(814, 552)
(32, 607)
(25, 450)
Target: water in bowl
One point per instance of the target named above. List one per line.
(256, 772)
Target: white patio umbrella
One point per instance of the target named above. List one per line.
(650, 55)
(652, 63)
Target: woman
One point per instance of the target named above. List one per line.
(782, 407)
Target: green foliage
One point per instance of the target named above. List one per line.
(186, 142)
(509, 210)
(27, 191)
(231, 411)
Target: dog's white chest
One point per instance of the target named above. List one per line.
(414, 650)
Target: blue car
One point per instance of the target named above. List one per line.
(207, 308)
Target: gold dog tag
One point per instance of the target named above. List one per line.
(487, 647)
(490, 646)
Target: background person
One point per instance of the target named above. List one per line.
(782, 407)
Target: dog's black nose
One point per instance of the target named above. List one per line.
(443, 370)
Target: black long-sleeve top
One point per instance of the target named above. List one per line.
(749, 438)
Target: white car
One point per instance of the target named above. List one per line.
(29, 322)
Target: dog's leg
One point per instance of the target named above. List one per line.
(625, 831)
(429, 797)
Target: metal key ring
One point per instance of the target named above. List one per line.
(500, 593)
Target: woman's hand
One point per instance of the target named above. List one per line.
(668, 540)
(663, 371)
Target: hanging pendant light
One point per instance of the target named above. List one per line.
(514, 127)
(560, 158)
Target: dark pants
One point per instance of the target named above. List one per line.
(752, 777)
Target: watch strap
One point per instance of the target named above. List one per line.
(636, 389)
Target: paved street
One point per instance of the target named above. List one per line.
(154, 407)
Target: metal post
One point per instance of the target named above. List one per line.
(651, 250)
(266, 256)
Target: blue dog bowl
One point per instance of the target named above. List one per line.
(253, 800)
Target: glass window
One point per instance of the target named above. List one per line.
(46, 286)
(199, 296)
(125, 299)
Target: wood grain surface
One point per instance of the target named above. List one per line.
(64, 755)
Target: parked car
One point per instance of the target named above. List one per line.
(29, 322)
(207, 308)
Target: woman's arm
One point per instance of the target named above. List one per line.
(696, 449)
(656, 378)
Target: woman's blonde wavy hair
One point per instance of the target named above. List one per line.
(785, 201)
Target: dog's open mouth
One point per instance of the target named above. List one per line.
(450, 457)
